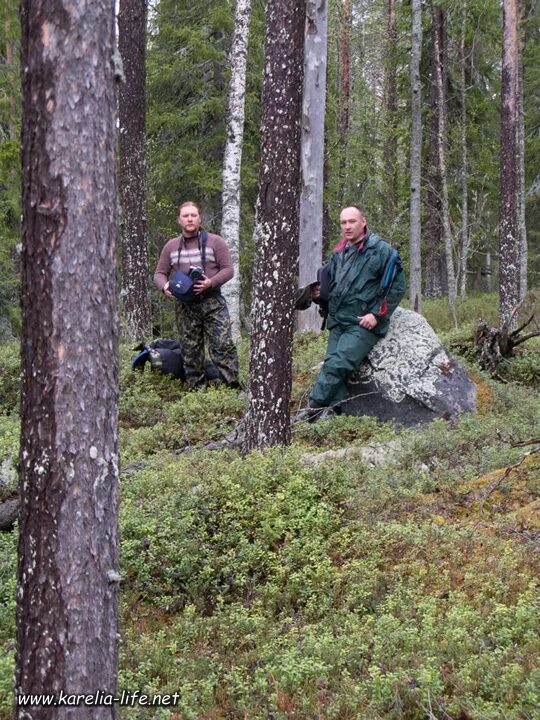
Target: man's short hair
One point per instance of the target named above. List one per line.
(189, 203)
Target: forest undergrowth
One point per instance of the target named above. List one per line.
(265, 587)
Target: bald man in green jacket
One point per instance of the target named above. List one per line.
(358, 317)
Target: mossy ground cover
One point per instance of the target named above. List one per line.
(260, 587)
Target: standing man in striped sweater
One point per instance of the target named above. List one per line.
(207, 317)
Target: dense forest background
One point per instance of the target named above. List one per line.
(367, 133)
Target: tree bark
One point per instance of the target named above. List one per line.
(272, 310)
(434, 278)
(390, 106)
(68, 546)
(415, 232)
(464, 245)
(312, 154)
(520, 196)
(344, 90)
(441, 152)
(508, 230)
(132, 171)
(232, 159)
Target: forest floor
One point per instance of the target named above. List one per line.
(265, 587)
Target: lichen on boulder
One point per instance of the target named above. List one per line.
(410, 377)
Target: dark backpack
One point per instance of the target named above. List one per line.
(166, 356)
(163, 355)
(391, 269)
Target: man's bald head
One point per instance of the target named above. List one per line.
(353, 224)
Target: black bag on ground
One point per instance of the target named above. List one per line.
(163, 355)
(166, 356)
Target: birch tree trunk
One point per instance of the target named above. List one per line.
(272, 310)
(441, 151)
(312, 154)
(464, 245)
(509, 170)
(136, 308)
(415, 232)
(68, 546)
(232, 159)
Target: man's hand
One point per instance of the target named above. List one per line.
(367, 321)
(202, 285)
(316, 292)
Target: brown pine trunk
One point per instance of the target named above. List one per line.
(520, 196)
(270, 366)
(68, 546)
(132, 171)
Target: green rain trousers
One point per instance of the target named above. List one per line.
(348, 345)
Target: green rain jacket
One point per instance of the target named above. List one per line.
(353, 291)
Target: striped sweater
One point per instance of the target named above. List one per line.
(182, 253)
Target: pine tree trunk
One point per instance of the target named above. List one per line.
(415, 234)
(272, 313)
(464, 245)
(390, 105)
(312, 154)
(68, 546)
(520, 197)
(508, 230)
(132, 171)
(441, 152)
(232, 159)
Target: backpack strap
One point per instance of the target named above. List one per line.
(203, 241)
(391, 269)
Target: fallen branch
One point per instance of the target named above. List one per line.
(494, 486)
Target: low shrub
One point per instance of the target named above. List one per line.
(10, 379)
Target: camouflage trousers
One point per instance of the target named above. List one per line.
(207, 320)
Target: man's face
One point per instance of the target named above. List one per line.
(353, 224)
(189, 219)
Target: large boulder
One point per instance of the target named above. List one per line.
(409, 377)
(9, 501)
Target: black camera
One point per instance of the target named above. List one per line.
(195, 273)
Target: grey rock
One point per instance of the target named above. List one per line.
(9, 512)
(410, 377)
(9, 478)
(372, 455)
(9, 501)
